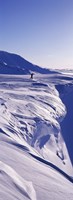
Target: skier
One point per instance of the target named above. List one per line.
(32, 75)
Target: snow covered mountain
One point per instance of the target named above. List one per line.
(36, 138)
(14, 64)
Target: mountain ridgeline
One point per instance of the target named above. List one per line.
(14, 64)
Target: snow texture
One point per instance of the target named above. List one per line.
(36, 151)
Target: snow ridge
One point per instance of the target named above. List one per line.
(26, 188)
(31, 113)
(33, 152)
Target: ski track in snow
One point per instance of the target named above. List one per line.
(31, 112)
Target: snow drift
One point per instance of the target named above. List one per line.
(36, 136)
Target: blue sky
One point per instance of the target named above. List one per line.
(39, 30)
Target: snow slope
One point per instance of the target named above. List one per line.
(36, 151)
(14, 64)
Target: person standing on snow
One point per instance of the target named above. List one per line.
(32, 75)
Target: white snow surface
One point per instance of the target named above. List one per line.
(34, 159)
